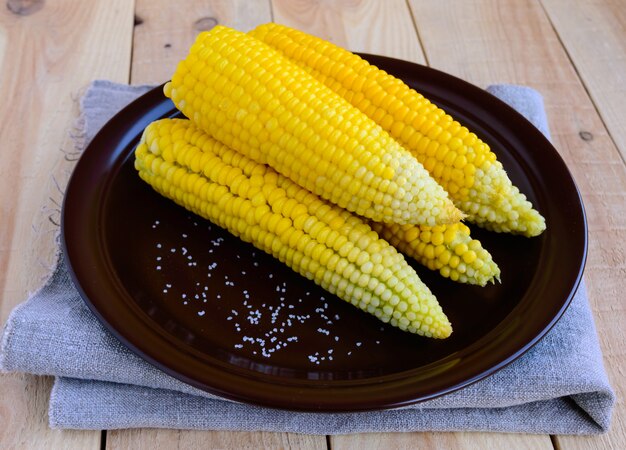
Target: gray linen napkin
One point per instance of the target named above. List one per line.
(558, 387)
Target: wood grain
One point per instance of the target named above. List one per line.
(443, 441)
(165, 30)
(370, 26)
(516, 43)
(49, 51)
(173, 439)
(594, 35)
(24, 417)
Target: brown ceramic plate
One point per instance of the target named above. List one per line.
(214, 312)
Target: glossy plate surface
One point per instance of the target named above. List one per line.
(214, 312)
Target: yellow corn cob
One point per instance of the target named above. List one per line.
(455, 157)
(249, 97)
(446, 248)
(317, 239)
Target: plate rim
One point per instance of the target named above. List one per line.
(311, 403)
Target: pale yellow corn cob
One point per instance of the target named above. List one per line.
(251, 98)
(462, 163)
(319, 240)
(447, 248)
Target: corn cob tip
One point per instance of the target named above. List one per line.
(448, 249)
(453, 214)
(532, 224)
(513, 212)
(445, 331)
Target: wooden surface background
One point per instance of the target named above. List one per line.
(573, 52)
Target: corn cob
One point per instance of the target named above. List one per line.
(446, 248)
(319, 240)
(462, 163)
(252, 99)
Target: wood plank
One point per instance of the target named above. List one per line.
(24, 417)
(443, 441)
(485, 41)
(49, 52)
(384, 28)
(369, 26)
(157, 48)
(174, 439)
(594, 35)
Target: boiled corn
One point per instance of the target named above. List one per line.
(448, 249)
(252, 99)
(319, 240)
(462, 163)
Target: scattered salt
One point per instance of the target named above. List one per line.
(278, 337)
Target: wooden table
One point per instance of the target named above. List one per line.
(573, 52)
